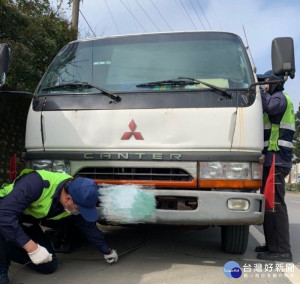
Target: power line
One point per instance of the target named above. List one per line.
(133, 16)
(112, 17)
(135, 23)
(161, 15)
(204, 14)
(148, 15)
(188, 15)
(87, 22)
(197, 14)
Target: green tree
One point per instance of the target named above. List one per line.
(296, 149)
(35, 32)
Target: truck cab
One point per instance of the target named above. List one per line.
(179, 113)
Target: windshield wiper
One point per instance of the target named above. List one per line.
(183, 81)
(213, 87)
(78, 84)
(174, 83)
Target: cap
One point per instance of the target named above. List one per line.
(269, 74)
(84, 193)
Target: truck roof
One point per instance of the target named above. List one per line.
(145, 34)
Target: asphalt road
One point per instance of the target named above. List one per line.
(169, 255)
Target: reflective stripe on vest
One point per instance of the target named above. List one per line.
(282, 126)
(280, 143)
(287, 126)
(280, 135)
(40, 208)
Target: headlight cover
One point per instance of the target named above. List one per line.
(51, 165)
(230, 170)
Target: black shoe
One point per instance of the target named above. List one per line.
(261, 249)
(276, 256)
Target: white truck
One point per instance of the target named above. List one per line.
(178, 111)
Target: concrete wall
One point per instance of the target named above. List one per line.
(13, 115)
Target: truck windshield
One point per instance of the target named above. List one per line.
(125, 63)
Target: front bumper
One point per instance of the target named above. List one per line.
(210, 209)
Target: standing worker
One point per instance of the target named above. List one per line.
(279, 128)
(45, 195)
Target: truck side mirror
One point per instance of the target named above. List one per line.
(4, 59)
(283, 59)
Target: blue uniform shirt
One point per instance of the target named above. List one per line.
(27, 190)
(275, 105)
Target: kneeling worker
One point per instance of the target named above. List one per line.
(45, 195)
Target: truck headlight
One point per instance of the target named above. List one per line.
(51, 165)
(237, 171)
(211, 170)
(230, 171)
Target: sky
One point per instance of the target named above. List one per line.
(262, 21)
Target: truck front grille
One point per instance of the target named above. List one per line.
(158, 174)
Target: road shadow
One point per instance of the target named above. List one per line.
(164, 255)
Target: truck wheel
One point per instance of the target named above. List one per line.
(235, 238)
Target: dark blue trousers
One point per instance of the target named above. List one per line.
(10, 252)
(276, 224)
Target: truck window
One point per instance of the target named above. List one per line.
(119, 64)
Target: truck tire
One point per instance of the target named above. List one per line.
(235, 238)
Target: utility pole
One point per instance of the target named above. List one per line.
(75, 14)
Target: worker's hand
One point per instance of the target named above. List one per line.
(112, 257)
(40, 255)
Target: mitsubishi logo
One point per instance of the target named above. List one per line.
(132, 127)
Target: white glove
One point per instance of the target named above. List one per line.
(112, 257)
(40, 255)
